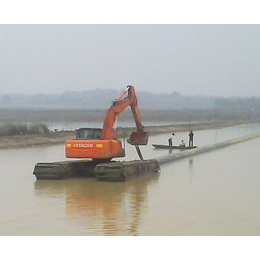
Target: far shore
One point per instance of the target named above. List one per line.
(55, 138)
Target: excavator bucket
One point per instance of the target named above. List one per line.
(138, 138)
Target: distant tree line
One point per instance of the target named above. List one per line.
(238, 102)
(101, 98)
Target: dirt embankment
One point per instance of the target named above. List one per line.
(54, 138)
(20, 141)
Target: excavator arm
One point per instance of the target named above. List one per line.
(119, 104)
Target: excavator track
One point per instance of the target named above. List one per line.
(110, 171)
(125, 171)
(64, 169)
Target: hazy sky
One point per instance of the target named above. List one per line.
(219, 60)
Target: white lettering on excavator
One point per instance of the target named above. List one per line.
(83, 145)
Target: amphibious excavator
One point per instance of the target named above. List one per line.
(101, 144)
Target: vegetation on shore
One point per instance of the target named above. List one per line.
(22, 129)
(54, 138)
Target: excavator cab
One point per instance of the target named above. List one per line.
(88, 144)
(88, 133)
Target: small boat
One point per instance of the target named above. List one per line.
(162, 146)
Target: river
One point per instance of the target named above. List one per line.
(217, 193)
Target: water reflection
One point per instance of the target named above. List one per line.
(109, 208)
(190, 168)
(216, 135)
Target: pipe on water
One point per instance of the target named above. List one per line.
(208, 148)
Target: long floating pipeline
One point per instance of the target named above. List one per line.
(204, 149)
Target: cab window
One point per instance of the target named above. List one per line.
(88, 134)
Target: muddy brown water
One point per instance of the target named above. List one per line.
(216, 193)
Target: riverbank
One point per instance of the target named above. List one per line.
(55, 138)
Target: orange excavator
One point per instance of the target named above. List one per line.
(101, 144)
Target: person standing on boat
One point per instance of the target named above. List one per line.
(191, 134)
(170, 140)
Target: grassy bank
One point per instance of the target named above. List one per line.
(22, 129)
(54, 138)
